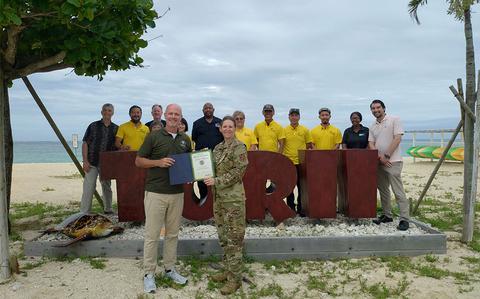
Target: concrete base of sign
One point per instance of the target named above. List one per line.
(305, 248)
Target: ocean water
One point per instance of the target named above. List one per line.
(42, 152)
(53, 151)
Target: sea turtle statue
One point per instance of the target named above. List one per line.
(82, 226)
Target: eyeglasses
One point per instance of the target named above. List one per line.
(239, 118)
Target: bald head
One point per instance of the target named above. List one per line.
(208, 110)
(173, 115)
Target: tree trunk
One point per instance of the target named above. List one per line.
(4, 241)
(468, 208)
(8, 150)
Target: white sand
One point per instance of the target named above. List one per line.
(122, 277)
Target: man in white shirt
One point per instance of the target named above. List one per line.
(385, 136)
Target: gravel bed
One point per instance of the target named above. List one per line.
(295, 227)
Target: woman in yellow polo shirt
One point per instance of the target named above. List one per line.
(242, 133)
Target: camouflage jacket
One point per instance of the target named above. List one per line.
(230, 164)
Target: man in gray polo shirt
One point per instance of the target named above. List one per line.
(385, 136)
(163, 201)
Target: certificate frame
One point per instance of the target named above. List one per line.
(202, 164)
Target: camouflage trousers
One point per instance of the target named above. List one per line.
(230, 223)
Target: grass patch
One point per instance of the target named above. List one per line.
(33, 265)
(319, 283)
(24, 210)
(96, 263)
(432, 271)
(269, 290)
(282, 267)
(380, 290)
(198, 267)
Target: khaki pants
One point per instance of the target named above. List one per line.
(89, 186)
(160, 210)
(391, 176)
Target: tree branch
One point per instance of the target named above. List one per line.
(46, 65)
(12, 41)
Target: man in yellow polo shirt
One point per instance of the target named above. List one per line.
(269, 133)
(297, 137)
(244, 134)
(131, 134)
(325, 136)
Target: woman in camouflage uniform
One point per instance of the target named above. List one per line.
(229, 204)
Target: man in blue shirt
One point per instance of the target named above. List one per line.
(206, 134)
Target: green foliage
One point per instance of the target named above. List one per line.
(455, 7)
(92, 36)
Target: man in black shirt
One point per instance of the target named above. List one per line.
(357, 135)
(99, 137)
(157, 111)
(206, 134)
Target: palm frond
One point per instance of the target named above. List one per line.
(413, 6)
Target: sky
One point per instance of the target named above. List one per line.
(240, 55)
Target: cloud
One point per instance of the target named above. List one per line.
(243, 54)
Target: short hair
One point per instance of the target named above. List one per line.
(377, 102)
(107, 105)
(357, 114)
(238, 112)
(155, 123)
(184, 121)
(157, 105)
(133, 107)
(228, 117)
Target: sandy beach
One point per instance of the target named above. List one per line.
(355, 278)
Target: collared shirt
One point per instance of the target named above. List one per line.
(296, 139)
(206, 134)
(382, 133)
(132, 135)
(162, 121)
(356, 139)
(99, 138)
(158, 145)
(326, 138)
(247, 136)
(268, 135)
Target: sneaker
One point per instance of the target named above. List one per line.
(108, 212)
(403, 225)
(382, 219)
(149, 283)
(176, 277)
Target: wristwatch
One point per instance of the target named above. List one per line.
(386, 156)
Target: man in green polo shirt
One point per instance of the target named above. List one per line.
(163, 201)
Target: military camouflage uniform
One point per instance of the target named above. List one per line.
(229, 204)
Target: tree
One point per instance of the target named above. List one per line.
(90, 36)
(461, 9)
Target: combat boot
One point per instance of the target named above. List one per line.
(219, 277)
(230, 287)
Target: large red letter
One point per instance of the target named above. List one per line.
(263, 166)
(359, 174)
(319, 182)
(120, 166)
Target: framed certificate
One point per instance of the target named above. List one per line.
(190, 167)
(202, 164)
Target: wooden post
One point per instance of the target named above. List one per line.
(439, 163)
(57, 132)
(4, 241)
(469, 209)
(464, 105)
